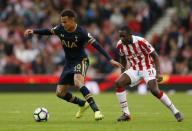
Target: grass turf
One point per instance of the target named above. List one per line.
(16, 113)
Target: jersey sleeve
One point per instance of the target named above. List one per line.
(147, 46)
(89, 39)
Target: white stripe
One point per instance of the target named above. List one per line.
(126, 55)
(137, 47)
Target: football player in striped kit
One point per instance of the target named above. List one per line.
(142, 62)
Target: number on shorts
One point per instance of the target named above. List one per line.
(151, 72)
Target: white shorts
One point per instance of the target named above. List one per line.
(136, 75)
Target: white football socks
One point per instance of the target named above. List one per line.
(167, 102)
(122, 97)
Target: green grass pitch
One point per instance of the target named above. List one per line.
(149, 114)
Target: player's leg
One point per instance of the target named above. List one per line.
(62, 92)
(66, 79)
(79, 81)
(153, 87)
(121, 94)
(129, 77)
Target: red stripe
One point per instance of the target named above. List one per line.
(160, 94)
(120, 89)
(120, 48)
(132, 60)
(145, 46)
(147, 60)
(139, 57)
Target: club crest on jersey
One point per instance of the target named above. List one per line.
(62, 35)
(69, 44)
(76, 38)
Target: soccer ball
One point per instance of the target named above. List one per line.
(41, 114)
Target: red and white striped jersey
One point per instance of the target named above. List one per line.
(137, 54)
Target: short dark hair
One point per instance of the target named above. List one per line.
(68, 13)
(126, 29)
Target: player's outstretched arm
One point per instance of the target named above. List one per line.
(29, 32)
(97, 46)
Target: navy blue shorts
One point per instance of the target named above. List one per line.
(71, 68)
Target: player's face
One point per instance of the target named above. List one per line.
(68, 23)
(125, 38)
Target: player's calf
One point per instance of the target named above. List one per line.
(89, 98)
(70, 98)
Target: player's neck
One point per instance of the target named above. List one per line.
(73, 28)
(130, 40)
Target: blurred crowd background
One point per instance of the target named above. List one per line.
(44, 55)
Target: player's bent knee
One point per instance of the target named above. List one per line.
(156, 92)
(119, 84)
(79, 82)
(153, 92)
(153, 87)
(60, 92)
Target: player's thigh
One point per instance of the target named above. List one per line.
(123, 80)
(149, 77)
(134, 76)
(152, 84)
(81, 67)
(67, 76)
(79, 80)
(80, 70)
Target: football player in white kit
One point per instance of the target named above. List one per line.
(142, 61)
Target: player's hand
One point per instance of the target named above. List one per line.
(28, 32)
(116, 64)
(159, 78)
